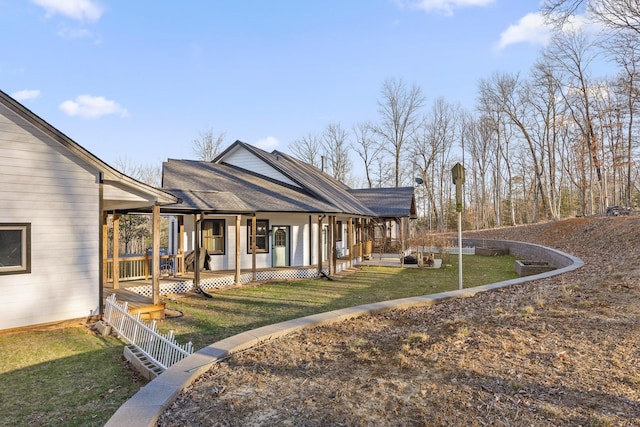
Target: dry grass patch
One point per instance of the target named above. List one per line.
(559, 351)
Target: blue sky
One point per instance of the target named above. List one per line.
(139, 80)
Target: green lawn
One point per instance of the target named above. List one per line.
(62, 377)
(235, 310)
(73, 377)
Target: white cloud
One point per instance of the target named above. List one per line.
(81, 10)
(74, 33)
(267, 143)
(531, 28)
(92, 107)
(580, 23)
(23, 95)
(447, 7)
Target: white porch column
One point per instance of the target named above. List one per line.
(115, 270)
(238, 254)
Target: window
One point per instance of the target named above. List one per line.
(280, 238)
(213, 235)
(15, 248)
(339, 231)
(262, 236)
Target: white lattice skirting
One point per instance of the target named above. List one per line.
(181, 287)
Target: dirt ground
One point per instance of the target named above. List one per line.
(558, 351)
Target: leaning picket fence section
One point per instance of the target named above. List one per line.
(161, 349)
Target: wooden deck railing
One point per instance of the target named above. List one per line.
(138, 267)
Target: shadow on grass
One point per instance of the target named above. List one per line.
(66, 377)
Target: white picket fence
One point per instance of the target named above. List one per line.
(162, 349)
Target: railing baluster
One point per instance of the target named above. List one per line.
(161, 348)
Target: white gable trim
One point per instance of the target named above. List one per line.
(244, 159)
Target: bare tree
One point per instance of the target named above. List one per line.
(431, 146)
(400, 114)
(508, 95)
(135, 229)
(614, 14)
(382, 172)
(625, 50)
(207, 145)
(148, 173)
(571, 54)
(367, 147)
(308, 149)
(336, 148)
(480, 140)
(550, 125)
(495, 120)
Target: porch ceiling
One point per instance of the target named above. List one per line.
(120, 196)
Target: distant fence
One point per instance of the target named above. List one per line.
(162, 349)
(452, 250)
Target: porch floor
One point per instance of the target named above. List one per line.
(136, 302)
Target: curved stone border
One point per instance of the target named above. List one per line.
(146, 406)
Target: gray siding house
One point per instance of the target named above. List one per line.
(54, 196)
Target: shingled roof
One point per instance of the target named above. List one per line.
(210, 187)
(314, 181)
(396, 202)
(225, 186)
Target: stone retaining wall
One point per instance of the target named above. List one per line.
(526, 251)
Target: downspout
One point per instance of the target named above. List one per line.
(102, 250)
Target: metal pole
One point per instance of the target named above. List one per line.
(459, 250)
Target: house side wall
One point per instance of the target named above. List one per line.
(244, 159)
(42, 186)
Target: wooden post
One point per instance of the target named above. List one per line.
(350, 240)
(238, 254)
(254, 247)
(359, 238)
(196, 249)
(115, 267)
(155, 254)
